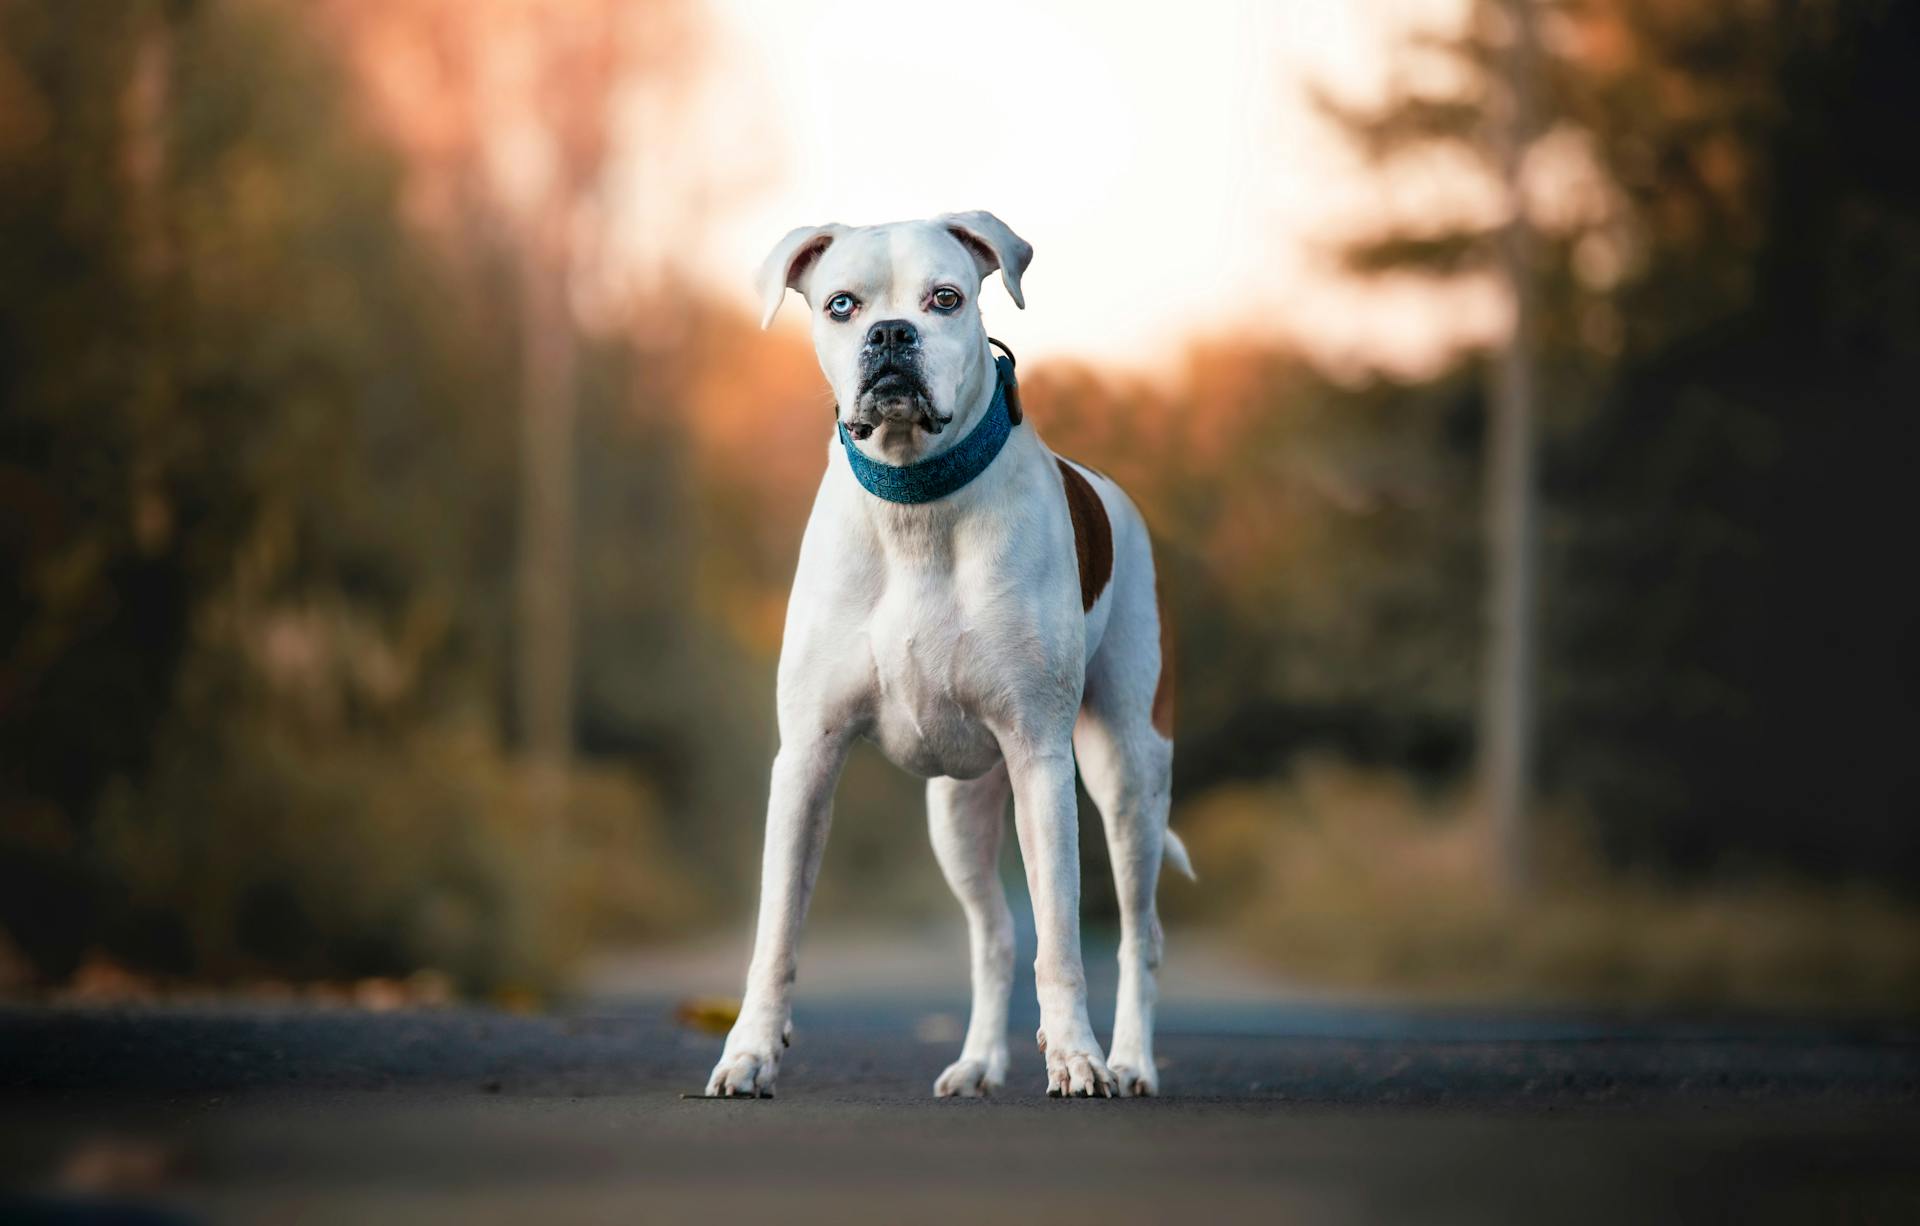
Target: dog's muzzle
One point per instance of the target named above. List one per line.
(892, 389)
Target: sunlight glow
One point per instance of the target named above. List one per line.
(1166, 162)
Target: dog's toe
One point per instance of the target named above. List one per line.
(1078, 1074)
(743, 1074)
(1134, 1081)
(967, 1079)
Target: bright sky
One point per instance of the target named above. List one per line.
(1164, 160)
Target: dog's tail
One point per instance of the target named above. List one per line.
(1175, 853)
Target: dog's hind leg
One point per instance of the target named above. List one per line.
(1126, 775)
(1126, 762)
(966, 819)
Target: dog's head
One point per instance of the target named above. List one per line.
(896, 322)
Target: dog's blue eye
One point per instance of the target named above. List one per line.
(841, 306)
(946, 298)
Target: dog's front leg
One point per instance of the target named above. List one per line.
(799, 810)
(1047, 820)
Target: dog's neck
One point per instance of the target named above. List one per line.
(949, 472)
(905, 442)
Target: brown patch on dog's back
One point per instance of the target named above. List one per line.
(1163, 692)
(1092, 534)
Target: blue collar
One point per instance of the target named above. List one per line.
(940, 475)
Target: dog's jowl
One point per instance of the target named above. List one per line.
(987, 614)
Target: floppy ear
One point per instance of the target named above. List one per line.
(993, 246)
(788, 263)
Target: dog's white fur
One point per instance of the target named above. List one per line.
(952, 634)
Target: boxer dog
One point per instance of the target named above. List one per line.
(986, 612)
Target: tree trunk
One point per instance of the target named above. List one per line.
(543, 672)
(1507, 714)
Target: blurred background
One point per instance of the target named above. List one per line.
(398, 503)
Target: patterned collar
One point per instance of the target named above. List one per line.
(937, 476)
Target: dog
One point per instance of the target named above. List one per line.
(986, 612)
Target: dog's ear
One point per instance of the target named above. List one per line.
(787, 265)
(992, 246)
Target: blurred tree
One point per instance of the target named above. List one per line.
(1492, 116)
(96, 611)
(462, 91)
(1738, 493)
(1506, 737)
(257, 450)
(1316, 542)
(524, 112)
(193, 349)
(1701, 174)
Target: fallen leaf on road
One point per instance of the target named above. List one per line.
(119, 1165)
(516, 999)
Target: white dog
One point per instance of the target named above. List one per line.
(986, 612)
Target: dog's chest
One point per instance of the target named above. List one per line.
(933, 678)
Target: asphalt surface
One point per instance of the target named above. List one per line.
(1274, 1111)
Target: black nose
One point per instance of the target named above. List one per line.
(892, 334)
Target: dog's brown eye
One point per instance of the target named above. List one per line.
(842, 306)
(946, 298)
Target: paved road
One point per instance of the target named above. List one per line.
(1275, 1111)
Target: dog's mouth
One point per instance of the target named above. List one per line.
(894, 395)
(892, 383)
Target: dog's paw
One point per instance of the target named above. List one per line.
(1134, 1077)
(969, 1078)
(752, 1060)
(1076, 1070)
(744, 1074)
